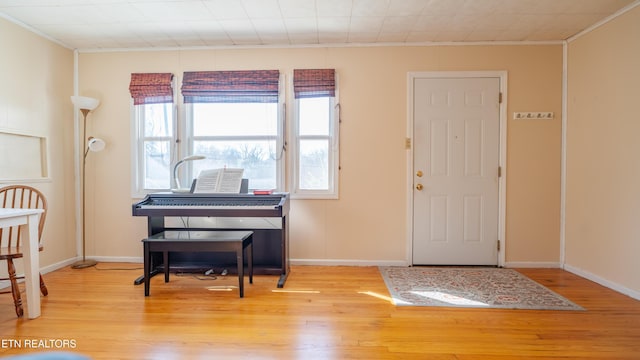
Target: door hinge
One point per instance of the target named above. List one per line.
(499, 98)
(407, 143)
(498, 245)
(499, 171)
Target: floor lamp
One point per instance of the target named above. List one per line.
(86, 104)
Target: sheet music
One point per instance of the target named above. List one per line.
(224, 180)
(207, 181)
(230, 181)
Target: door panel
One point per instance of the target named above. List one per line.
(456, 146)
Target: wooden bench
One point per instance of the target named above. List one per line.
(199, 241)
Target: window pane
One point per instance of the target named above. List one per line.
(257, 158)
(314, 165)
(235, 119)
(158, 120)
(314, 115)
(156, 164)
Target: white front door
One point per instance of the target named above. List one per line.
(455, 161)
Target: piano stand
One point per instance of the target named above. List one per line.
(282, 280)
(140, 279)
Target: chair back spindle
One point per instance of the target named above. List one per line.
(21, 197)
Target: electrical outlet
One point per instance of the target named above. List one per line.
(544, 115)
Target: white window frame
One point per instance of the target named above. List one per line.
(137, 149)
(186, 147)
(182, 145)
(333, 157)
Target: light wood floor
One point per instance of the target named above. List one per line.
(323, 313)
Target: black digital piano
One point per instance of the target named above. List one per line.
(265, 215)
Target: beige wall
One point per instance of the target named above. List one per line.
(37, 80)
(603, 152)
(368, 222)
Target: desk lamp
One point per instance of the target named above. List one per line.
(179, 188)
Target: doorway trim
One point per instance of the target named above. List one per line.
(502, 181)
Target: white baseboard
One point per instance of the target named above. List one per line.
(532, 264)
(319, 262)
(4, 284)
(120, 259)
(58, 265)
(348, 262)
(64, 263)
(602, 281)
(43, 270)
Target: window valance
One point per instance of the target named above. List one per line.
(231, 86)
(151, 88)
(308, 83)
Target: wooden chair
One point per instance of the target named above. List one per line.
(19, 196)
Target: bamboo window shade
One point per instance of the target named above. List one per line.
(151, 88)
(244, 86)
(309, 83)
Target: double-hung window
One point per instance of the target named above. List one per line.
(316, 155)
(153, 131)
(233, 119)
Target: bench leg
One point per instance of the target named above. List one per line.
(250, 261)
(240, 258)
(147, 269)
(165, 258)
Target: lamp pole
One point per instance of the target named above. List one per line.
(85, 105)
(84, 263)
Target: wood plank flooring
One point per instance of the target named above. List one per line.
(322, 313)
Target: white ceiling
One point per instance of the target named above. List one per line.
(118, 24)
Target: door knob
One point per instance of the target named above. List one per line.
(419, 173)
(419, 187)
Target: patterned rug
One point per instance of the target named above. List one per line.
(470, 287)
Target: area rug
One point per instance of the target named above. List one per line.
(476, 287)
